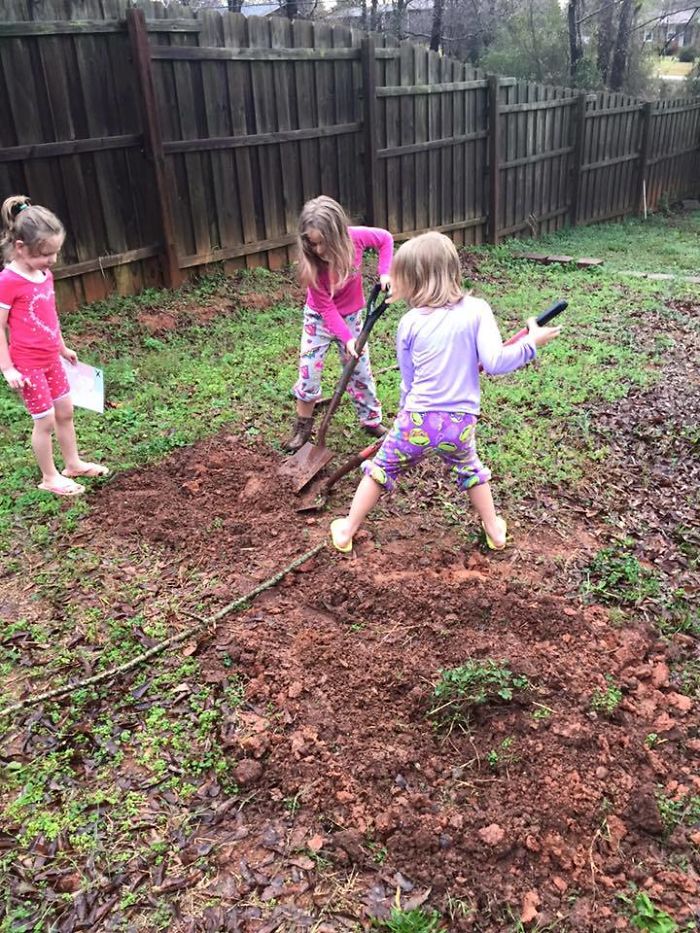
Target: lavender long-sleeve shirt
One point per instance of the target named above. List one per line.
(439, 352)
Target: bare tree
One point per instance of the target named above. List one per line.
(575, 42)
(618, 68)
(436, 31)
(605, 39)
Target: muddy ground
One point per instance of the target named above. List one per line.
(539, 810)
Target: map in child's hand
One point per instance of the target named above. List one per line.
(87, 388)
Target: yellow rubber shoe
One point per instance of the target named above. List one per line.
(335, 528)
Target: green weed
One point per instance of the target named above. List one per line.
(460, 689)
(645, 915)
(409, 921)
(379, 852)
(503, 755)
(682, 811)
(542, 712)
(616, 576)
(605, 702)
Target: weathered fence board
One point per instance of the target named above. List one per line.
(205, 135)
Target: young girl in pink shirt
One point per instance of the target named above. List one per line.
(31, 239)
(330, 259)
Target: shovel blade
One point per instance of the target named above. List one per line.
(315, 499)
(305, 464)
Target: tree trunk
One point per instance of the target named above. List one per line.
(234, 6)
(622, 43)
(605, 40)
(575, 51)
(373, 16)
(291, 9)
(436, 31)
(399, 19)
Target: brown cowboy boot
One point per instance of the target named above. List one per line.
(302, 432)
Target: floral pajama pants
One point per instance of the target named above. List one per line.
(451, 434)
(315, 341)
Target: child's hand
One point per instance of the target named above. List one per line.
(69, 355)
(385, 282)
(15, 379)
(541, 335)
(350, 348)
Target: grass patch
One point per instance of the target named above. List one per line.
(661, 244)
(235, 370)
(477, 683)
(409, 921)
(616, 577)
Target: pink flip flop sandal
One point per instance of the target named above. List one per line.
(90, 470)
(70, 490)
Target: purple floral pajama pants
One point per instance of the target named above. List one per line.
(451, 434)
(315, 341)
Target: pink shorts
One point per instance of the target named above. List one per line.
(47, 385)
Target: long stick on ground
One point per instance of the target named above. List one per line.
(168, 643)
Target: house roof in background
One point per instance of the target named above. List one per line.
(679, 16)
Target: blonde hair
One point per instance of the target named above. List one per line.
(30, 223)
(328, 217)
(426, 272)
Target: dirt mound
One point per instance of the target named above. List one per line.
(539, 802)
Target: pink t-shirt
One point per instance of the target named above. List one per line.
(348, 299)
(35, 333)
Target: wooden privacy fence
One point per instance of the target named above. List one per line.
(168, 142)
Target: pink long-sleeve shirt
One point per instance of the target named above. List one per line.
(349, 298)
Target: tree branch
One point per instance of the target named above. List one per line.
(163, 645)
(657, 19)
(599, 10)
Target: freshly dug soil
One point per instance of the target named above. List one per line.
(535, 809)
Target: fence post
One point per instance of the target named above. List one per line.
(369, 87)
(141, 51)
(579, 120)
(494, 158)
(643, 158)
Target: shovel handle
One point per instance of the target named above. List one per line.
(353, 462)
(542, 319)
(374, 312)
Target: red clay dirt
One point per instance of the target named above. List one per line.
(541, 811)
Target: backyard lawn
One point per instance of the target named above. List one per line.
(425, 736)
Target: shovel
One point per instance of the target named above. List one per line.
(312, 458)
(317, 499)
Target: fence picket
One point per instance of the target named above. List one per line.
(244, 119)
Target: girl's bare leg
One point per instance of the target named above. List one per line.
(67, 441)
(42, 445)
(482, 500)
(366, 497)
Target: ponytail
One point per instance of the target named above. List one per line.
(30, 223)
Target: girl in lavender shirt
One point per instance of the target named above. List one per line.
(441, 343)
(330, 257)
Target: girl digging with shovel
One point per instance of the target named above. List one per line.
(330, 258)
(441, 342)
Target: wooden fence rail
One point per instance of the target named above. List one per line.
(169, 141)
